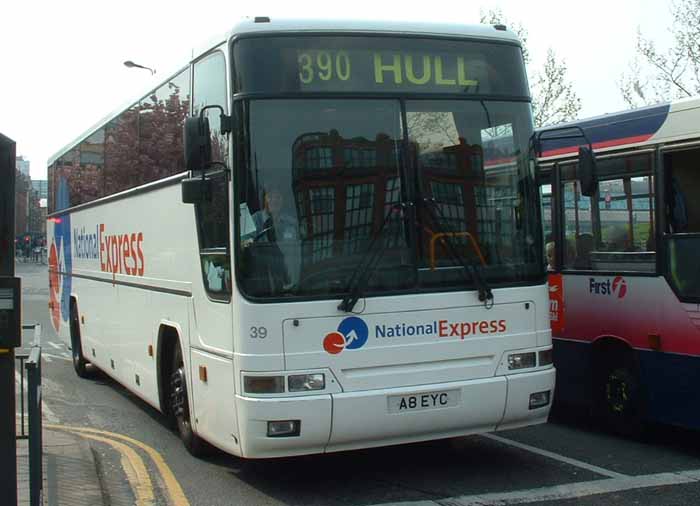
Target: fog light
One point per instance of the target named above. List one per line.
(263, 384)
(545, 357)
(539, 399)
(284, 428)
(306, 382)
(522, 360)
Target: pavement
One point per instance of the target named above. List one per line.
(70, 471)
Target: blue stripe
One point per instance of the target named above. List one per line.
(671, 383)
(611, 127)
(673, 387)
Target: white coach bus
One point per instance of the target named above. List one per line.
(314, 237)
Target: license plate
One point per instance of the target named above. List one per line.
(423, 401)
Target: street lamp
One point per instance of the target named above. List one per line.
(131, 65)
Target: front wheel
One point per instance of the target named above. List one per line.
(180, 407)
(79, 362)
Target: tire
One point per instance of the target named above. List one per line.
(180, 407)
(618, 397)
(79, 362)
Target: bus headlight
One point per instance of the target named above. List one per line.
(263, 384)
(306, 382)
(522, 360)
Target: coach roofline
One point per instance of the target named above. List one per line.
(306, 27)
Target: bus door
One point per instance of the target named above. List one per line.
(676, 374)
(211, 326)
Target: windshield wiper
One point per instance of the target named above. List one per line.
(358, 280)
(485, 294)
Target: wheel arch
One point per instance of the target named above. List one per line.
(169, 336)
(608, 346)
(72, 301)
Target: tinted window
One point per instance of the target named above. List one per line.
(318, 187)
(161, 119)
(122, 167)
(78, 176)
(210, 89)
(142, 144)
(615, 229)
(471, 162)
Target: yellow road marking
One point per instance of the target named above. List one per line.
(177, 496)
(135, 470)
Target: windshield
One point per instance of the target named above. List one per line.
(322, 178)
(471, 163)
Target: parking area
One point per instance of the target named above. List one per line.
(568, 461)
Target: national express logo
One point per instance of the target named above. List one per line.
(60, 258)
(615, 288)
(60, 267)
(117, 253)
(353, 332)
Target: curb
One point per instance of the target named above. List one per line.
(71, 470)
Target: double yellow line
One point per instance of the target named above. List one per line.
(134, 466)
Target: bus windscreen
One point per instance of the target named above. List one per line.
(360, 64)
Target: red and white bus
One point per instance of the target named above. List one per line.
(342, 259)
(625, 264)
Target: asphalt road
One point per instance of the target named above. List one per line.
(568, 461)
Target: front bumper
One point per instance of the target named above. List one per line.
(353, 420)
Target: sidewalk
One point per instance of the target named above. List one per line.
(70, 472)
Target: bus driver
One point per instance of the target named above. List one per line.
(271, 222)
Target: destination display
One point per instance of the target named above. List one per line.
(378, 65)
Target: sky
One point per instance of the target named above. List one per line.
(63, 60)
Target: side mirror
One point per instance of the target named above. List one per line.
(196, 190)
(586, 172)
(197, 141)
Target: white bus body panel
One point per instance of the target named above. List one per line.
(122, 311)
(355, 412)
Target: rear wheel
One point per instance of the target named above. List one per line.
(619, 400)
(79, 362)
(180, 407)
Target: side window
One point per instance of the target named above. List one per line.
(615, 229)
(547, 224)
(578, 227)
(209, 88)
(161, 118)
(121, 159)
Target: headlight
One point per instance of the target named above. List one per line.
(306, 382)
(522, 360)
(263, 384)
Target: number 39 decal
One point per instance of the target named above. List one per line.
(258, 332)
